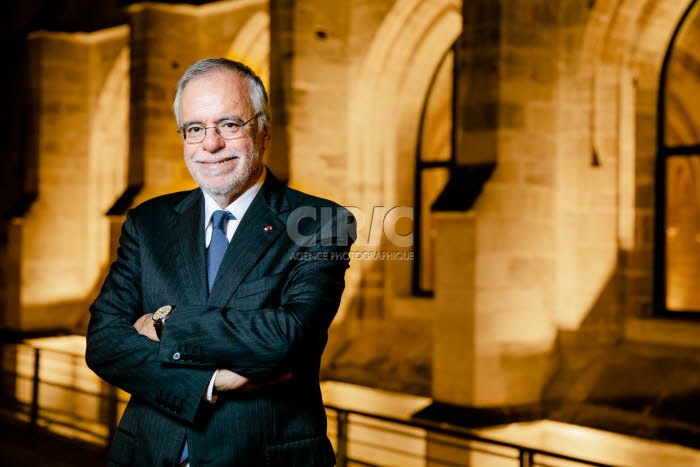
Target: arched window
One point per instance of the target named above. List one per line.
(434, 161)
(678, 181)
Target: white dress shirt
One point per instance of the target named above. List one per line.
(238, 208)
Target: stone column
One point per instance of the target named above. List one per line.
(79, 132)
(496, 231)
(455, 323)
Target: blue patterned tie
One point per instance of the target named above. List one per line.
(185, 453)
(218, 243)
(215, 253)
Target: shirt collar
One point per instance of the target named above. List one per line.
(239, 206)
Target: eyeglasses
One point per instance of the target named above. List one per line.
(195, 133)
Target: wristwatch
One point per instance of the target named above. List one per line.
(160, 316)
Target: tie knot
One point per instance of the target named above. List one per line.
(219, 219)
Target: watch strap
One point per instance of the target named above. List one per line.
(159, 325)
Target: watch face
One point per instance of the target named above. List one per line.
(162, 312)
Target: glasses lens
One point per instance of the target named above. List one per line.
(194, 133)
(229, 129)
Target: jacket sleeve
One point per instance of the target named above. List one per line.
(118, 354)
(264, 341)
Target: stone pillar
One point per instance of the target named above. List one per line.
(490, 347)
(281, 90)
(454, 326)
(495, 257)
(321, 81)
(479, 114)
(325, 44)
(79, 129)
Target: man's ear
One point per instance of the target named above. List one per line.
(267, 133)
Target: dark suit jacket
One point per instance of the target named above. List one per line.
(276, 293)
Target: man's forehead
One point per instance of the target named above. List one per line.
(225, 94)
(230, 78)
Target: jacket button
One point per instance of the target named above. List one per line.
(176, 356)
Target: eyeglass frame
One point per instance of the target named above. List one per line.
(181, 130)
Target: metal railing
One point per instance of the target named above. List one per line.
(56, 398)
(47, 399)
(449, 445)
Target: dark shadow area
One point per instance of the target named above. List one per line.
(472, 417)
(393, 355)
(642, 390)
(22, 446)
(638, 389)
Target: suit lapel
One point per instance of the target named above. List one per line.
(187, 247)
(260, 227)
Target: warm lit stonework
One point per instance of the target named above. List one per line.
(515, 143)
(59, 249)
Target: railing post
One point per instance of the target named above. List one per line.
(526, 458)
(34, 410)
(341, 455)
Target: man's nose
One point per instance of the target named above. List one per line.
(212, 139)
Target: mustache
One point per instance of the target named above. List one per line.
(219, 156)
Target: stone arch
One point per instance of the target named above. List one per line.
(656, 21)
(386, 102)
(635, 36)
(82, 156)
(252, 45)
(617, 76)
(107, 160)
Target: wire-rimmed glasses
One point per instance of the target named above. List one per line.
(195, 133)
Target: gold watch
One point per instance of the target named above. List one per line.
(160, 316)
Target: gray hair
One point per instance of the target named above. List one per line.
(258, 94)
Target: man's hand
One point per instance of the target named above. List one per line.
(227, 380)
(144, 325)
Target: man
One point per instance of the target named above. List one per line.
(227, 376)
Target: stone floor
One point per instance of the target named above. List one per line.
(381, 442)
(634, 389)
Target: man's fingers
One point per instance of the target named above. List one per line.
(227, 380)
(285, 377)
(258, 384)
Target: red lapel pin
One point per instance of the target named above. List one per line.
(268, 228)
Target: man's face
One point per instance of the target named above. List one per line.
(222, 168)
